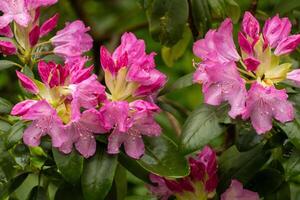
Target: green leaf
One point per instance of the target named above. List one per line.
(5, 64)
(67, 191)
(218, 8)
(9, 187)
(5, 106)
(266, 181)
(201, 127)
(70, 165)
(27, 71)
(15, 134)
(171, 54)
(282, 193)
(163, 158)
(285, 7)
(292, 167)
(4, 126)
(167, 20)
(134, 167)
(291, 129)
(201, 15)
(38, 193)
(232, 10)
(240, 165)
(98, 175)
(182, 82)
(120, 182)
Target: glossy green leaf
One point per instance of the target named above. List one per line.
(38, 193)
(201, 15)
(5, 106)
(5, 64)
(4, 126)
(240, 165)
(70, 165)
(6, 188)
(67, 191)
(15, 134)
(167, 20)
(163, 158)
(291, 129)
(171, 54)
(218, 8)
(98, 175)
(292, 167)
(134, 167)
(201, 127)
(286, 6)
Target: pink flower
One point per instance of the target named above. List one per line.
(200, 184)
(27, 83)
(159, 187)
(7, 48)
(294, 76)
(81, 133)
(129, 71)
(222, 82)
(217, 45)
(72, 41)
(44, 121)
(237, 192)
(6, 31)
(49, 25)
(250, 26)
(34, 4)
(14, 10)
(287, 45)
(34, 36)
(265, 103)
(129, 122)
(276, 29)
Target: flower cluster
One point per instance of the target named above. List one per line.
(225, 73)
(200, 184)
(23, 17)
(72, 107)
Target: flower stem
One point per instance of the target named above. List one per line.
(42, 43)
(43, 53)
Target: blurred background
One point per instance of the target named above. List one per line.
(169, 30)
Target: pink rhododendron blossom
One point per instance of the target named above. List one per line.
(294, 76)
(221, 82)
(49, 25)
(225, 75)
(129, 122)
(34, 36)
(264, 103)
(61, 96)
(200, 184)
(129, 71)
(7, 48)
(14, 10)
(33, 4)
(72, 41)
(6, 31)
(218, 45)
(237, 192)
(27, 83)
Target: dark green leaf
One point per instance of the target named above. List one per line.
(4, 126)
(292, 167)
(286, 6)
(15, 134)
(167, 20)
(218, 8)
(247, 137)
(134, 167)
(5, 106)
(201, 127)
(171, 54)
(120, 182)
(282, 193)
(70, 165)
(6, 188)
(163, 158)
(291, 129)
(98, 175)
(66, 192)
(266, 181)
(38, 193)
(4, 64)
(201, 15)
(240, 165)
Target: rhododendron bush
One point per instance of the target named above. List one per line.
(149, 99)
